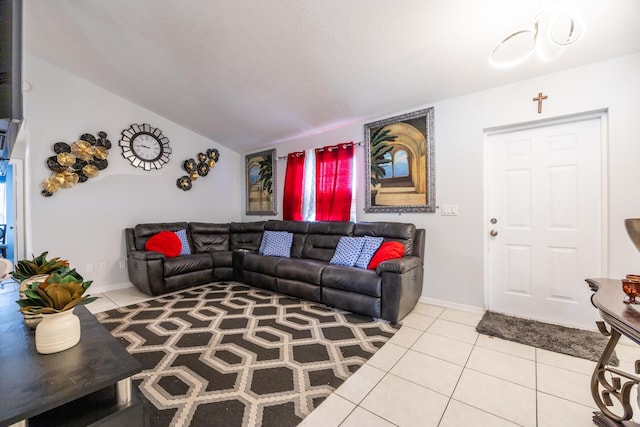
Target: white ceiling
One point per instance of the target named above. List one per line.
(251, 73)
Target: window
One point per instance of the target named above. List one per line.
(397, 165)
(325, 193)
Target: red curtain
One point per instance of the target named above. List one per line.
(333, 182)
(293, 181)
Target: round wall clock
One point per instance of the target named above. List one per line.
(145, 146)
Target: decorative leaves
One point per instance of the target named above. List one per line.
(76, 162)
(206, 162)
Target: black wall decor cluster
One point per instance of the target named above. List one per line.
(76, 162)
(205, 163)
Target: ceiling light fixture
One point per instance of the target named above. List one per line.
(552, 31)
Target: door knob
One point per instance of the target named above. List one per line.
(493, 233)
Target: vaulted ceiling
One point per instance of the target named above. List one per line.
(251, 73)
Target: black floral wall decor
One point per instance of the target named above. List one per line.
(197, 168)
(76, 162)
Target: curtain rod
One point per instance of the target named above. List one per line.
(284, 157)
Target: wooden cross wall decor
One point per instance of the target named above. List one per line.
(540, 98)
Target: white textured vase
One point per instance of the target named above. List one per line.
(57, 332)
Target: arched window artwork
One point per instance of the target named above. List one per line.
(400, 163)
(400, 171)
(254, 174)
(397, 165)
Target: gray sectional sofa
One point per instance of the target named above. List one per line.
(223, 252)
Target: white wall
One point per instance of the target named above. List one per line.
(85, 224)
(455, 247)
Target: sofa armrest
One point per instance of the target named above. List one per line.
(146, 271)
(146, 255)
(401, 286)
(399, 265)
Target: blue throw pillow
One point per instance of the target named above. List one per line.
(182, 235)
(263, 243)
(278, 243)
(347, 251)
(371, 245)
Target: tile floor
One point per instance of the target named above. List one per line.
(437, 371)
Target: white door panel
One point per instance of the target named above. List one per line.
(544, 190)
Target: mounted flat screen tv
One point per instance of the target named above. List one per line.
(10, 75)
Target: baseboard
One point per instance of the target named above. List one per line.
(454, 305)
(100, 289)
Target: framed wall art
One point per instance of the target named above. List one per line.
(400, 164)
(260, 178)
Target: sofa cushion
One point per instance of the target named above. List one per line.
(371, 245)
(388, 250)
(165, 242)
(348, 251)
(299, 230)
(351, 279)
(261, 264)
(323, 238)
(276, 243)
(302, 270)
(209, 237)
(246, 235)
(184, 240)
(142, 232)
(391, 231)
(187, 264)
(222, 259)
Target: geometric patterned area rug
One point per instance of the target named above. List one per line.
(560, 339)
(231, 355)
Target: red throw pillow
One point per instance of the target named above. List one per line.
(388, 250)
(165, 242)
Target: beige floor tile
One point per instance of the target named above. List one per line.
(406, 336)
(127, 296)
(565, 384)
(505, 366)
(435, 374)
(502, 398)
(454, 330)
(564, 361)
(460, 415)
(361, 417)
(417, 321)
(556, 412)
(444, 348)
(405, 403)
(330, 413)
(386, 357)
(428, 309)
(358, 385)
(506, 346)
(459, 316)
(101, 304)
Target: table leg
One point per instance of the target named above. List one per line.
(607, 382)
(123, 391)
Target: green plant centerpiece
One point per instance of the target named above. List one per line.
(60, 291)
(39, 265)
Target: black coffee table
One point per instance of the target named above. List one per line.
(84, 385)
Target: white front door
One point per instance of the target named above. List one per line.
(544, 223)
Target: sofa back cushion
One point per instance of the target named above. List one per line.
(323, 239)
(299, 230)
(142, 232)
(391, 231)
(209, 237)
(246, 235)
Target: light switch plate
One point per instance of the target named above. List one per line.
(449, 210)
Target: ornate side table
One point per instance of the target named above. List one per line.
(610, 386)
